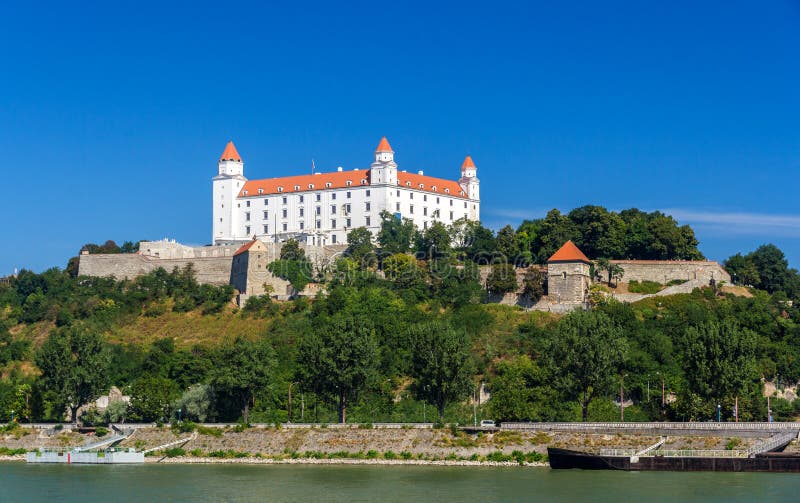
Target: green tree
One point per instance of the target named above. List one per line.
(502, 279)
(434, 242)
(587, 352)
(339, 357)
(396, 234)
(556, 229)
(74, 364)
(472, 240)
(521, 391)
(614, 271)
(360, 247)
(243, 368)
(600, 233)
(533, 284)
(773, 268)
(442, 364)
(720, 360)
(196, 403)
(151, 398)
(290, 250)
(742, 270)
(506, 243)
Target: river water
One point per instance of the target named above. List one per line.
(336, 483)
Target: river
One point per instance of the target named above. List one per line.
(337, 483)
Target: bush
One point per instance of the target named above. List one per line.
(101, 431)
(389, 455)
(183, 427)
(5, 451)
(198, 453)
(371, 454)
(498, 457)
(733, 443)
(365, 426)
(174, 452)
(406, 455)
(209, 430)
(645, 286)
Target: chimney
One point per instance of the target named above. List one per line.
(420, 172)
(339, 168)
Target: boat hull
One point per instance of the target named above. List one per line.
(768, 462)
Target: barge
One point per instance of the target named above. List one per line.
(765, 457)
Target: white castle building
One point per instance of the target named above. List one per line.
(322, 208)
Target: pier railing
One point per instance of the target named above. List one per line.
(666, 426)
(678, 453)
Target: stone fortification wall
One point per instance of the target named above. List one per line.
(664, 271)
(211, 270)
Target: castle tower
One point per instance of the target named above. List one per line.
(471, 185)
(226, 186)
(384, 170)
(568, 277)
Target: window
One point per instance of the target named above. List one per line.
(424, 225)
(266, 202)
(333, 209)
(368, 222)
(266, 215)
(328, 184)
(451, 202)
(247, 204)
(446, 191)
(285, 200)
(437, 200)
(348, 183)
(349, 194)
(301, 199)
(348, 224)
(368, 207)
(347, 208)
(398, 206)
(465, 205)
(564, 274)
(285, 227)
(302, 225)
(425, 211)
(319, 210)
(434, 188)
(310, 185)
(319, 197)
(284, 212)
(398, 193)
(408, 184)
(280, 189)
(333, 223)
(319, 224)
(363, 181)
(424, 197)
(411, 195)
(421, 186)
(296, 187)
(451, 215)
(411, 209)
(247, 216)
(266, 229)
(302, 211)
(367, 192)
(247, 231)
(333, 196)
(260, 191)
(333, 239)
(244, 191)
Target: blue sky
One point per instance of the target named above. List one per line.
(113, 114)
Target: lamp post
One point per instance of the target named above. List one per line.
(719, 411)
(12, 415)
(179, 415)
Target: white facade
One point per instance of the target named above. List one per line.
(322, 208)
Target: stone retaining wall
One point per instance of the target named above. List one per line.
(664, 271)
(211, 270)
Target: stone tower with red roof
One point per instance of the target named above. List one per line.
(568, 275)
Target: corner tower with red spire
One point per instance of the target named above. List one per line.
(470, 183)
(384, 170)
(226, 186)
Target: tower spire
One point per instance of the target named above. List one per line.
(230, 153)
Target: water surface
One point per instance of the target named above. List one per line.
(345, 483)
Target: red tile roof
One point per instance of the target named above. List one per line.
(230, 153)
(569, 253)
(384, 146)
(468, 163)
(244, 248)
(339, 179)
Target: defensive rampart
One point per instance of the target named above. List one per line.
(664, 271)
(211, 270)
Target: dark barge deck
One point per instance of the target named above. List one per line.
(765, 462)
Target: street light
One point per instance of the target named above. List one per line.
(719, 410)
(179, 415)
(12, 415)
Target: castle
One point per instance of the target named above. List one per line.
(321, 208)
(252, 218)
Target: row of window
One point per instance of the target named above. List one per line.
(311, 186)
(302, 226)
(425, 198)
(301, 198)
(346, 210)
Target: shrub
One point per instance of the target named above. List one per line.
(174, 452)
(733, 443)
(198, 453)
(365, 426)
(209, 430)
(498, 457)
(406, 455)
(240, 427)
(389, 455)
(183, 427)
(645, 286)
(5, 451)
(101, 431)
(372, 454)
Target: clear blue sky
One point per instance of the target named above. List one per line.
(113, 114)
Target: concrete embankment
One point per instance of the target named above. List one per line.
(406, 445)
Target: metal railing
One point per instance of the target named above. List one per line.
(771, 443)
(677, 426)
(675, 453)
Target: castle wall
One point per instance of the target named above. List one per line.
(211, 270)
(664, 271)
